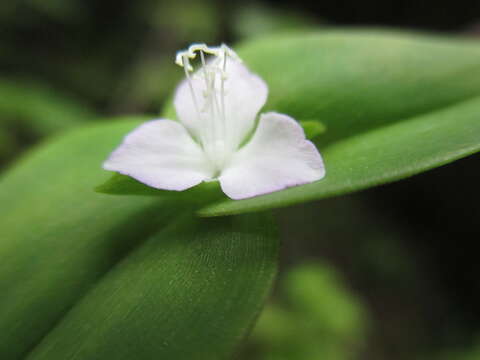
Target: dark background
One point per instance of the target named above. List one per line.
(407, 250)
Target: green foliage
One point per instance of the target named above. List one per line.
(30, 110)
(322, 320)
(38, 108)
(87, 275)
(388, 106)
(317, 292)
(393, 104)
(119, 184)
(96, 276)
(313, 128)
(253, 20)
(8, 145)
(472, 353)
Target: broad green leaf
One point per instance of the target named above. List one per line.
(39, 109)
(393, 105)
(59, 238)
(190, 292)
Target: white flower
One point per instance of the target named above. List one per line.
(217, 107)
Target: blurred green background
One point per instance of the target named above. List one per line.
(390, 273)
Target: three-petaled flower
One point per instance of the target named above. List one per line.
(218, 137)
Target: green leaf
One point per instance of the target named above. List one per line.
(39, 109)
(319, 318)
(393, 105)
(313, 128)
(119, 184)
(190, 292)
(8, 145)
(63, 244)
(253, 19)
(316, 292)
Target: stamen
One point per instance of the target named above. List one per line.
(222, 93)
(214, 134)
(209, 89)
(190, 85)
(186, 66)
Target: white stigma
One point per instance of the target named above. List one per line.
(214, 135)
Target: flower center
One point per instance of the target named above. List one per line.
(210, 102)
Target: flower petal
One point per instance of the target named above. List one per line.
(161, 154)
(245, 94)
(278, 156)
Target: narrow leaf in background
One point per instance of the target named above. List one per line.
(32, 110)
(39, 108)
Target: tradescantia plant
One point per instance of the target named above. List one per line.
(217, 107)
(92, 275)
